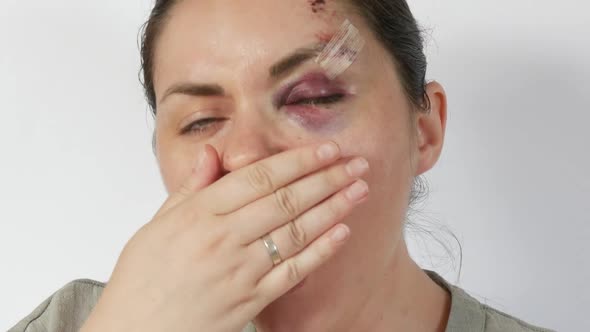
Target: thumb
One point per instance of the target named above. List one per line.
(206, 171)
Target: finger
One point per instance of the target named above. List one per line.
(287, 203)
(298, 234)
(207, 170)
(265, 176)
(290, 272)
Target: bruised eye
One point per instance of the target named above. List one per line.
(331, 99)
(200, 126)
(311, 89)
(312, 93)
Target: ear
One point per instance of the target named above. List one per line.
(431, 129)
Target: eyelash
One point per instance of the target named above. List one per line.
(325, 100)
(200, 126)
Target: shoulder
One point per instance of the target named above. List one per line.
(489, 318)
(469, 314)
(65, 310)
(497, 320)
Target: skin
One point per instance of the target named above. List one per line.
(371, 284)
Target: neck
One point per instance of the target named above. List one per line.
(401, 297)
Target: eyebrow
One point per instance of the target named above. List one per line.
(294, 59)
(280, 68)
(193, 89)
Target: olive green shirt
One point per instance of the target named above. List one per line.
(67, 309)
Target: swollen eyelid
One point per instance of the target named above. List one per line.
(305, 92)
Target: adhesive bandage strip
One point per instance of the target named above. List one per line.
(341, 50)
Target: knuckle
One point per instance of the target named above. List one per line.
(188, 214)
(184, 190)
(260, 178)
(245, 298)
(324, 252)
(297, 234)
(293, 272)
(286, 202)
(236, 274)
(216, 238)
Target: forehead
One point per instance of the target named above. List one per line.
(233, 34)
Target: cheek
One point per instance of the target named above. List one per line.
(173, 173)
(176, 162)
(176, 155)
(382, 139)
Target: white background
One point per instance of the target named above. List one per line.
(78, 176)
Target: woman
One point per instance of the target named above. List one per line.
(269, 225)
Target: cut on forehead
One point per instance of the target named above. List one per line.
(218, 30)
(285, 16)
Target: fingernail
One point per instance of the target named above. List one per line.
(357, 190)
(357, 167)
(340, 234)
(327, 151)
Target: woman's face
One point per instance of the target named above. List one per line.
(256, 109)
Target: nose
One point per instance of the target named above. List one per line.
(248, 141)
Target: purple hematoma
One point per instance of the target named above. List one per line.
(317, 5)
